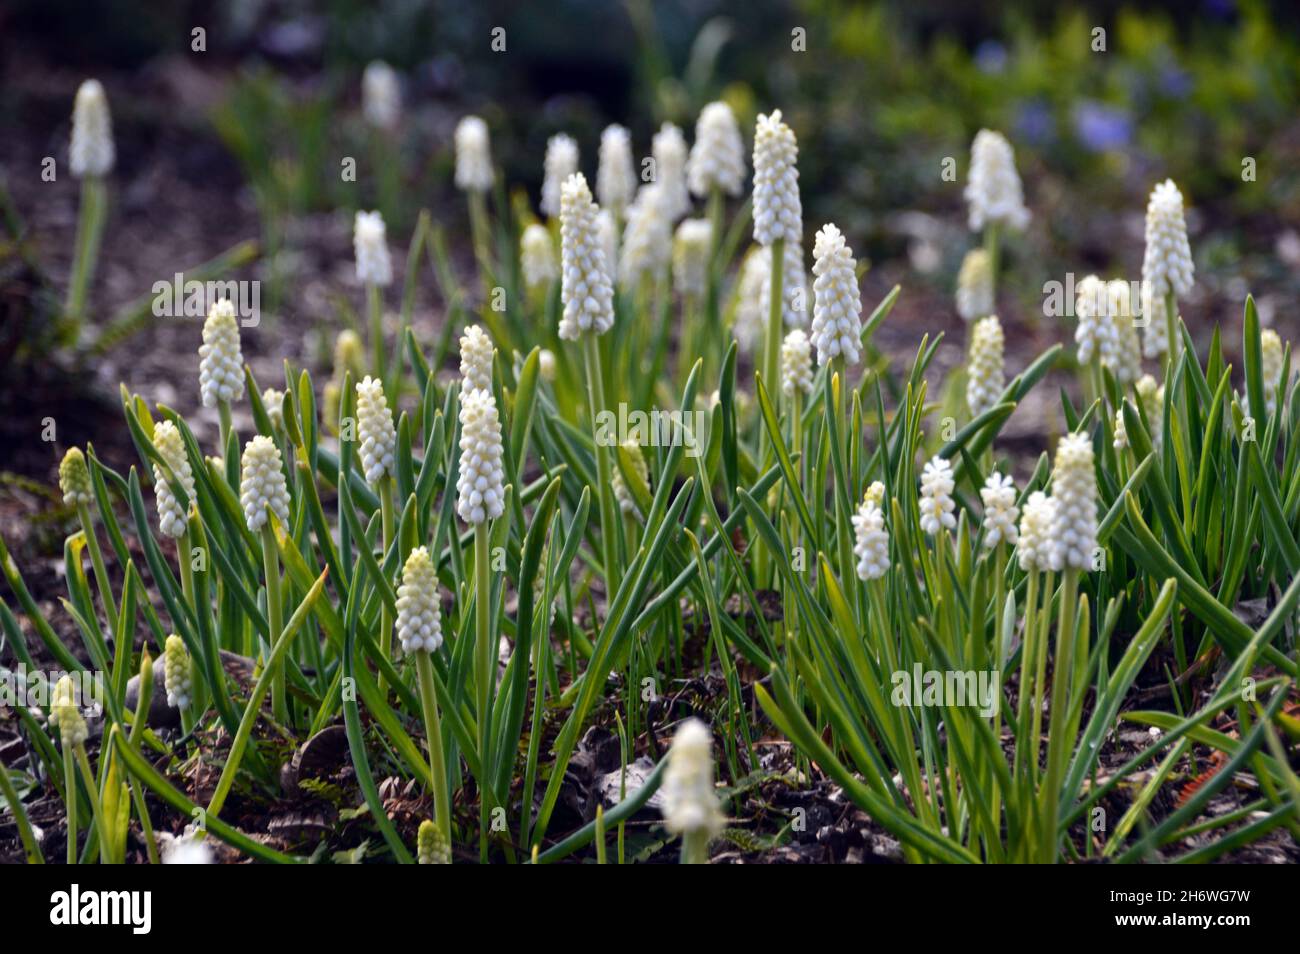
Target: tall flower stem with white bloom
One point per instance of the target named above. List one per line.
(65, 715)
(263, 494)
(91, 156)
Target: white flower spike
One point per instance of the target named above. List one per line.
(1072, 534)
(1034, 547)
(936, 503)
(221, 364)
(837, 300)
(975, 285)
(381, 96)
(376, 432)
(871, 539)
(690, 805)
(1167, 265)
(993, 190)
(419, 612)
(1000, 511)
(171, 514)
(647, 239)
(1095, 335)
(476, 352)
(622, 493)
(65, 715)
(796, 364)
(481, 485)
(718, 157)
(778, 213)
(176, 672)
(560, 164)
(370, 246)
(91, 152)
(669, 151)
(74, 478)
(616, 174)
(537, 258)
(985, 377)
(262, 483)
(691, 246)
(473, 155)
(585, 287)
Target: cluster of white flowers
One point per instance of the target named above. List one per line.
(871, 539)
(691, 247)
(778, 213)
(1120, 440)
(623, 493)
(1034, 547)
(718, 157)
(669, 151)
(1095, 334)
(752, 290)
(74, 478)
(481, 485)
(993, 190)
(1167, 265)
(794, 289)
(561, 162)
(616, 175)
(476, 352)
(1151, 394)
(170, 446)
(1124, 311)
(837, 299)
(273, 402)
(431, 846)
(176, 672)
(607, 239)
(221, 364)
(376, 431)
(975, 285)
(796, 363)
(936, 503)
(381, 96)
(1271, 357)
(66, 716)
(690, 804)
(1072, 533)
(984, 368)
(262, 483)
(370, 246)
(419, 614)
(585, 284)
(91, 152)
(537, 257)
(1155, 336)
(473, 155)
(647, 239)
(1000, 510)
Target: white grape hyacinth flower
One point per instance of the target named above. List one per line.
(616, 173)
(985, 376)
(975, 285)
(1034, 548)
(778, 213)
(752, 292)
(1167, 265)
(993, 191)
(370, 246)
(1072, 534)
(187, 849)
(74, 479)
(623, 493)
(871, 539)
(262, 483)
(691, 247)
(936, 503)
(560, 164)
(546, 364)
(837, 299)
(381, 96)
(273, 401)
(537, 258)
(1155, 335)
(476, 351)
(717, 158)
(176, 672)
(1271, 353)
(473, 155)
(481, 485)
(647, 238)
(585, 285)
(669, 151)
(65, 714)
(1000, 511)
(690, 804)
(91, 152)
(796, 364)
(607, 239)
(1151, 394)
(1095, 334)
(419, 611)
(221, 363)
(171, 513)
(794, 287)
(376, 432)
(1127, 366)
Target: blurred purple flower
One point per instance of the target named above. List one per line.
(1102, 128)
(991, 57)
(1034, 125)
(1175, 81)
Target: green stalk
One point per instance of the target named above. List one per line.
(992, 246)
(1057, 743)
(483, 657)
(70, 798)
(375, 300)
(1171, 328)
(97, 561)
(608, 511)
(274, 619)
(387, 521)
(223, 410)
(30, 846)
(772, 345)
(90, 228)
(433, 729)
(695, 847)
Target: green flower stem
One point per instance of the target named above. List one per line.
(90, 230)
(388, 522)
(993, 248)
(223, 411)
(274, 619)
(478, 226)
(375, 302)
(1171, 329)
(1044, 623)
(70, 798)
(31, 848)
(88, 779)
(1057, 744)
(97, 561)
(695, 847)
(772, 378)
(433, 730)
(716, 211)
(484, 654)
(608, 510)
(198, 683)
(1027, 654)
